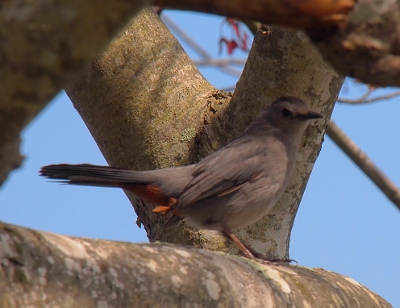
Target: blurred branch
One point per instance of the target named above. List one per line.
(364, 163)
(365, 99)
(252, 25)
(358, 100)
(44, 46)
(185, 37)
(196, 47)
(229, 89)
(318, 18)
(219, 62)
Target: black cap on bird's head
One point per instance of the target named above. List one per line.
(290, 107)
(288, 113)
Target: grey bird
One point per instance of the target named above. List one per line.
(230, 189)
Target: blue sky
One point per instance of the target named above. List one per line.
(345, 224)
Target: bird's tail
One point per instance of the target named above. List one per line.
(141, 183)
(85, 174)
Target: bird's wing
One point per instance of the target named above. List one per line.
(225, 171)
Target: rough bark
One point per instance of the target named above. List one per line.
(44, 46)
(368, 47)
(41, 269)
(143, 104)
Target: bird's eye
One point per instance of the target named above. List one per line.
(286, 112)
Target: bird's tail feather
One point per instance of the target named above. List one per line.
(85, 174)
(138, 182)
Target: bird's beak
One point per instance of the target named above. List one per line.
(310, 115)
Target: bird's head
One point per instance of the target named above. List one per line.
(289, 113)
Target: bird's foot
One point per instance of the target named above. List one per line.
(250, 253)
(263, 259)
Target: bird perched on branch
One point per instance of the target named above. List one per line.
(230, 189)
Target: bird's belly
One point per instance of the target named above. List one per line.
(235, 211)
(249, 214)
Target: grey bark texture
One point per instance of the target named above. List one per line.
(368, 46)
(144, 103)
(45, 45)
(41, 269)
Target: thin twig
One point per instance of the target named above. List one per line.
(358, 100)
(252, 25)
(221, 62)
(365, 100)
(364, 163)
(196, 47)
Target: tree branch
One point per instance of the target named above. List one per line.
(365, 99)
(219, 62)
(357, 101)
(143, 104)
(364, 163)
(45, 46)
(197, 48)
(367, 47)
(41, 269)
(363, 45)
(318, 18)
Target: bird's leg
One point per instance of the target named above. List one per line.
(248, 252)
